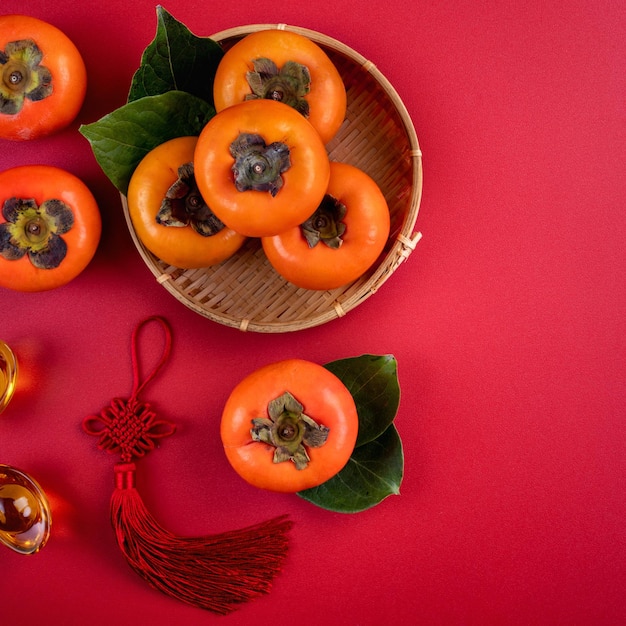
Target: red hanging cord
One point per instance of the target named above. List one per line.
(130, 426)
(137, 384)
(213, 572)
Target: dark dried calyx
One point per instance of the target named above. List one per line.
(35, 231)
(21, 76)
(183, 205)
(325, 225)
(289, 84)
(259, 166)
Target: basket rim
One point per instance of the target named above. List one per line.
(399, 250)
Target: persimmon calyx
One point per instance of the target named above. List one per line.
(183, 205)
(35, 231)
(288, 84)
(289, 430)
(326, 224)
(21, 76)
(259, 166)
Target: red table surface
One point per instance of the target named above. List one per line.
(507, 321)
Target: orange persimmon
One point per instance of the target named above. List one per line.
(289, 426)
(50, 227)
(340, 240)
(261, 167)
(43, 78)
(285, 66)
(169, 214)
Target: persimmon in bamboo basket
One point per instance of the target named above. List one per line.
(377, 136)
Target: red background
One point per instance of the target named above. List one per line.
(507, 322)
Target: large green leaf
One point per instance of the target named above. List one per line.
(373, 472)
(376, 466)
(122, 138)
(176, 60)
(373, 382)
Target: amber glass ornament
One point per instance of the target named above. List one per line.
(24, 512)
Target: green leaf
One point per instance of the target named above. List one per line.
(373, 473)
(373, 382)
(376, 466)
(176, 60)
(122, 138)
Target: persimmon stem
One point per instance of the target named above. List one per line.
(16, 77)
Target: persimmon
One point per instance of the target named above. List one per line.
(289, 426)
(169, 214)
(340, 240)
(288, 67)
(50, 227)
(43, 78)
(261, 167)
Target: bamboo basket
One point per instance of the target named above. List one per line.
(378, 136)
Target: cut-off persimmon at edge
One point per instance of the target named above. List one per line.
(278, 445)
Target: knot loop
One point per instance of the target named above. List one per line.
(129, 426)
(137, 385)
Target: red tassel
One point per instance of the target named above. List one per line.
(213, 572)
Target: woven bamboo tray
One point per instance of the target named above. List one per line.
(377, 136)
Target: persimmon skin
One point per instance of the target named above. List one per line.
(325, 399)
(367, 230)
(327, 97)
(69, 80)
(178, 246)
(41, 183)
(257, 213)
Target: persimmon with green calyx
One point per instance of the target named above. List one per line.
(289, 426)
(287, 67)
(43, 78)
(261, 167)
(170, 215)
(50, 227)
(341, 240)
